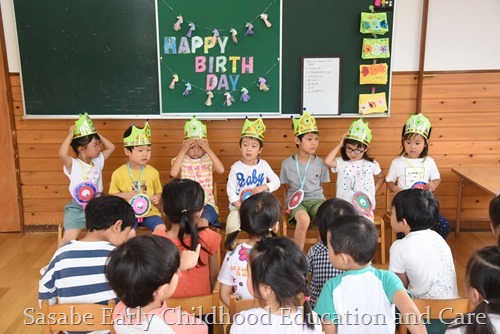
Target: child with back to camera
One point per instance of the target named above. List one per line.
(84, 172)
(277, 271)
(422, 259)
(494, 211)
(195, 161)
(303, 174)
(137, 181)
(183, 201)
(362, 299)
(144, 272)
(320, 268)
(259, 215)
(482, 285)
(359, 175)
(414, 168)
(249, 175)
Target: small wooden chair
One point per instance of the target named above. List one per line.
(439, 309)
(77, 317)
(379, 222)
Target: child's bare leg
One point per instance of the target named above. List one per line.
(160, 227)
(131, 234)
(69, 235)
(303, 220)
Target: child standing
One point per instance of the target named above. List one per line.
(320, 268)
(144, 272)
(183, 201)
(414, 168)
(195, 161)
(356, 169)
(137, 181)
(84, 172)
(250, 175)
(422, 259)
(362, 299)
(76, 272)
(260, 215)
(303, 173)
(276, 278)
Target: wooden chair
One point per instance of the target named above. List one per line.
(439, 309)
(77, 317)
(236, 306)
(207, 304)
(379, 222)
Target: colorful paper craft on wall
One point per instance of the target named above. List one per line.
(372, 103)
(373, 74)
(374, 23)
(375, 48)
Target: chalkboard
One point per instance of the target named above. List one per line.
(95, 56)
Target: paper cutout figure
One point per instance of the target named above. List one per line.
(188, 90)
(208, 102)
(175, 79)
(249, 31)
(192, 27)
(214, 37)
(245, 97)
(229, 99)
(262, 84)
(375, 48)
(373, 23)
(177, 25)
(264, 18)
(372, 103)
(373, 74)
(233, 33)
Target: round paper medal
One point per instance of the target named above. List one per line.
(84, 192)
(141, 204)
(419, 185)
(362, 202)
(295, 200)
(245, 193)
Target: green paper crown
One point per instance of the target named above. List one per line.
(195, 129)
(139, 137)
(359, 131)
(254, 129)
(83, 126)
(305, 124)
(418, 124)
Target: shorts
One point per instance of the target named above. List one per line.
(210, 214)
(74, 216)
(150, 222)
(311, 206)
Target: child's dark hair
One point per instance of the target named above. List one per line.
(258, 214)
(328, 213)
(104, 211)
(418, 207)
(358, 144)
(138, 267)
(302, 136)
(410, 135)
(279, 263)
(495, 214)
(355, 236)
(182, 199)
(483, 274)
(261, 143)
(127, 133)
(83, 141)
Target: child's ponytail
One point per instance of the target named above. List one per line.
(308, 320)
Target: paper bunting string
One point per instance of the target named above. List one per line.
(188, 90)
(233, 33)
(210, 95)
(177, 25)
(174, 81)
(245, 97)
(249, 31)
(229, 99)
(192, 27)
(262, 84)
(263, 17)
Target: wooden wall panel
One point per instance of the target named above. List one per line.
(464, 109)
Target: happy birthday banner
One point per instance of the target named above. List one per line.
(219, 56)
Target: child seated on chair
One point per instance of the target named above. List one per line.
(195, 161)
(144, 272)
(76, 272)
(495, 216)
(303, 173)
(422, 259)
(363, 299)
(320, 269)
(249, 175)
(260, 215)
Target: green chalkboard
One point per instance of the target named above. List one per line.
(98, 56)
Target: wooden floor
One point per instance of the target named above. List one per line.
(22, 256)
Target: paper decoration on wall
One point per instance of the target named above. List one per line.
(375, 48)
(187, 91)
(249, 31)
(192, 27)
(177, 25)
(216, 34)
(262, 84)
(373, 74)
(385, 5)
(229, 99)
(372, 103)
(175, 79)
(245, 97)
(264, 17)
(210, 95)
(374, 23)
(233, 33)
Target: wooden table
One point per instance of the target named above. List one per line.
(486, 178)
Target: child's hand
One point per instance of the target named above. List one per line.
(203, 144)
(187, 144)
(259, 189)
(344, 136)
(189, 259)
(71, 131)
(155, 199)
(431, 185)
